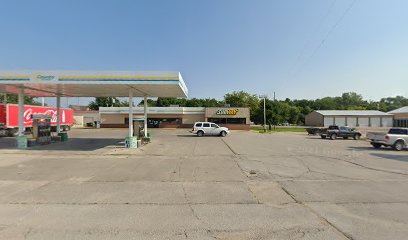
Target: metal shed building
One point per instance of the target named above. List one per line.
(351, 118)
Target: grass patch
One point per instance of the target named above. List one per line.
(279, 129)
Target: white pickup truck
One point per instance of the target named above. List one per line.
(396, 138)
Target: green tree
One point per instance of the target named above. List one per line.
(12, 98)
(391, 103)
(243, 99)
(104, 102)
(150, 103)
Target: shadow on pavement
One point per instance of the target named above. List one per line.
(186, 135)
(195, 136)
(80, 144)
(73, 144)
(372, 149)
(7, 143)
(391, 156)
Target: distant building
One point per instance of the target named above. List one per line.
(79, 107)
(400, 117)
(83, 118)
(177, 117)
(351, 118)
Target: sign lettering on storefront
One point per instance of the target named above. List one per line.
(38, 77)
(227, 111)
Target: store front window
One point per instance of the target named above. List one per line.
(401, 123)
(228, 120)
(156, 122)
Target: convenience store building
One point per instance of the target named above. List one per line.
(177, 117)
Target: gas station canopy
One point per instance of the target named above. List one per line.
(93, 83)
(90, 84)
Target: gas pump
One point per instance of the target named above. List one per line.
(42, 128)
(138, 129)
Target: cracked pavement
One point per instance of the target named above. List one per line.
(244, 186)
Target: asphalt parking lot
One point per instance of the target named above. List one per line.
(244, 186)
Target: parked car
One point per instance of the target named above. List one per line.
(396, 138)
(208, 128)
(335, 131)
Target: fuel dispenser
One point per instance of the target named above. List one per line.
(42, 128)
(138, 128)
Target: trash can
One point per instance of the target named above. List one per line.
(139, 143)
(64, 136)
(22, 142)
(131, 142)
(149, 135)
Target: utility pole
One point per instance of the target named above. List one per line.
(264, 115)
(264, 105)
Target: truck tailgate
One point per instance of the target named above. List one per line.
(376, 136)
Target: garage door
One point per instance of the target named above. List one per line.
(363, 122)
(340, 121)
(328, 121)
(375, 122)
(352, 121)
(387, 122)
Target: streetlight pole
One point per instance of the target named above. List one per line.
(264, 116)
(264, 106)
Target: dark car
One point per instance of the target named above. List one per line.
(335, 131)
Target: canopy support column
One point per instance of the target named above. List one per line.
(58, 114)
(130, 113)
(145, 115)
(21, 112)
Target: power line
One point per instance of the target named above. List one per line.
(331, 30)
(316, 30)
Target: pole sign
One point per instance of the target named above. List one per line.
(227, 111)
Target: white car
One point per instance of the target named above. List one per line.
(208, 128)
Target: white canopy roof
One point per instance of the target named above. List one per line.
(153, 110)
(94, 83)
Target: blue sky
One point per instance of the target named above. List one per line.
(259, 46)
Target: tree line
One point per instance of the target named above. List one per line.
(13, 98)
(291, 111)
